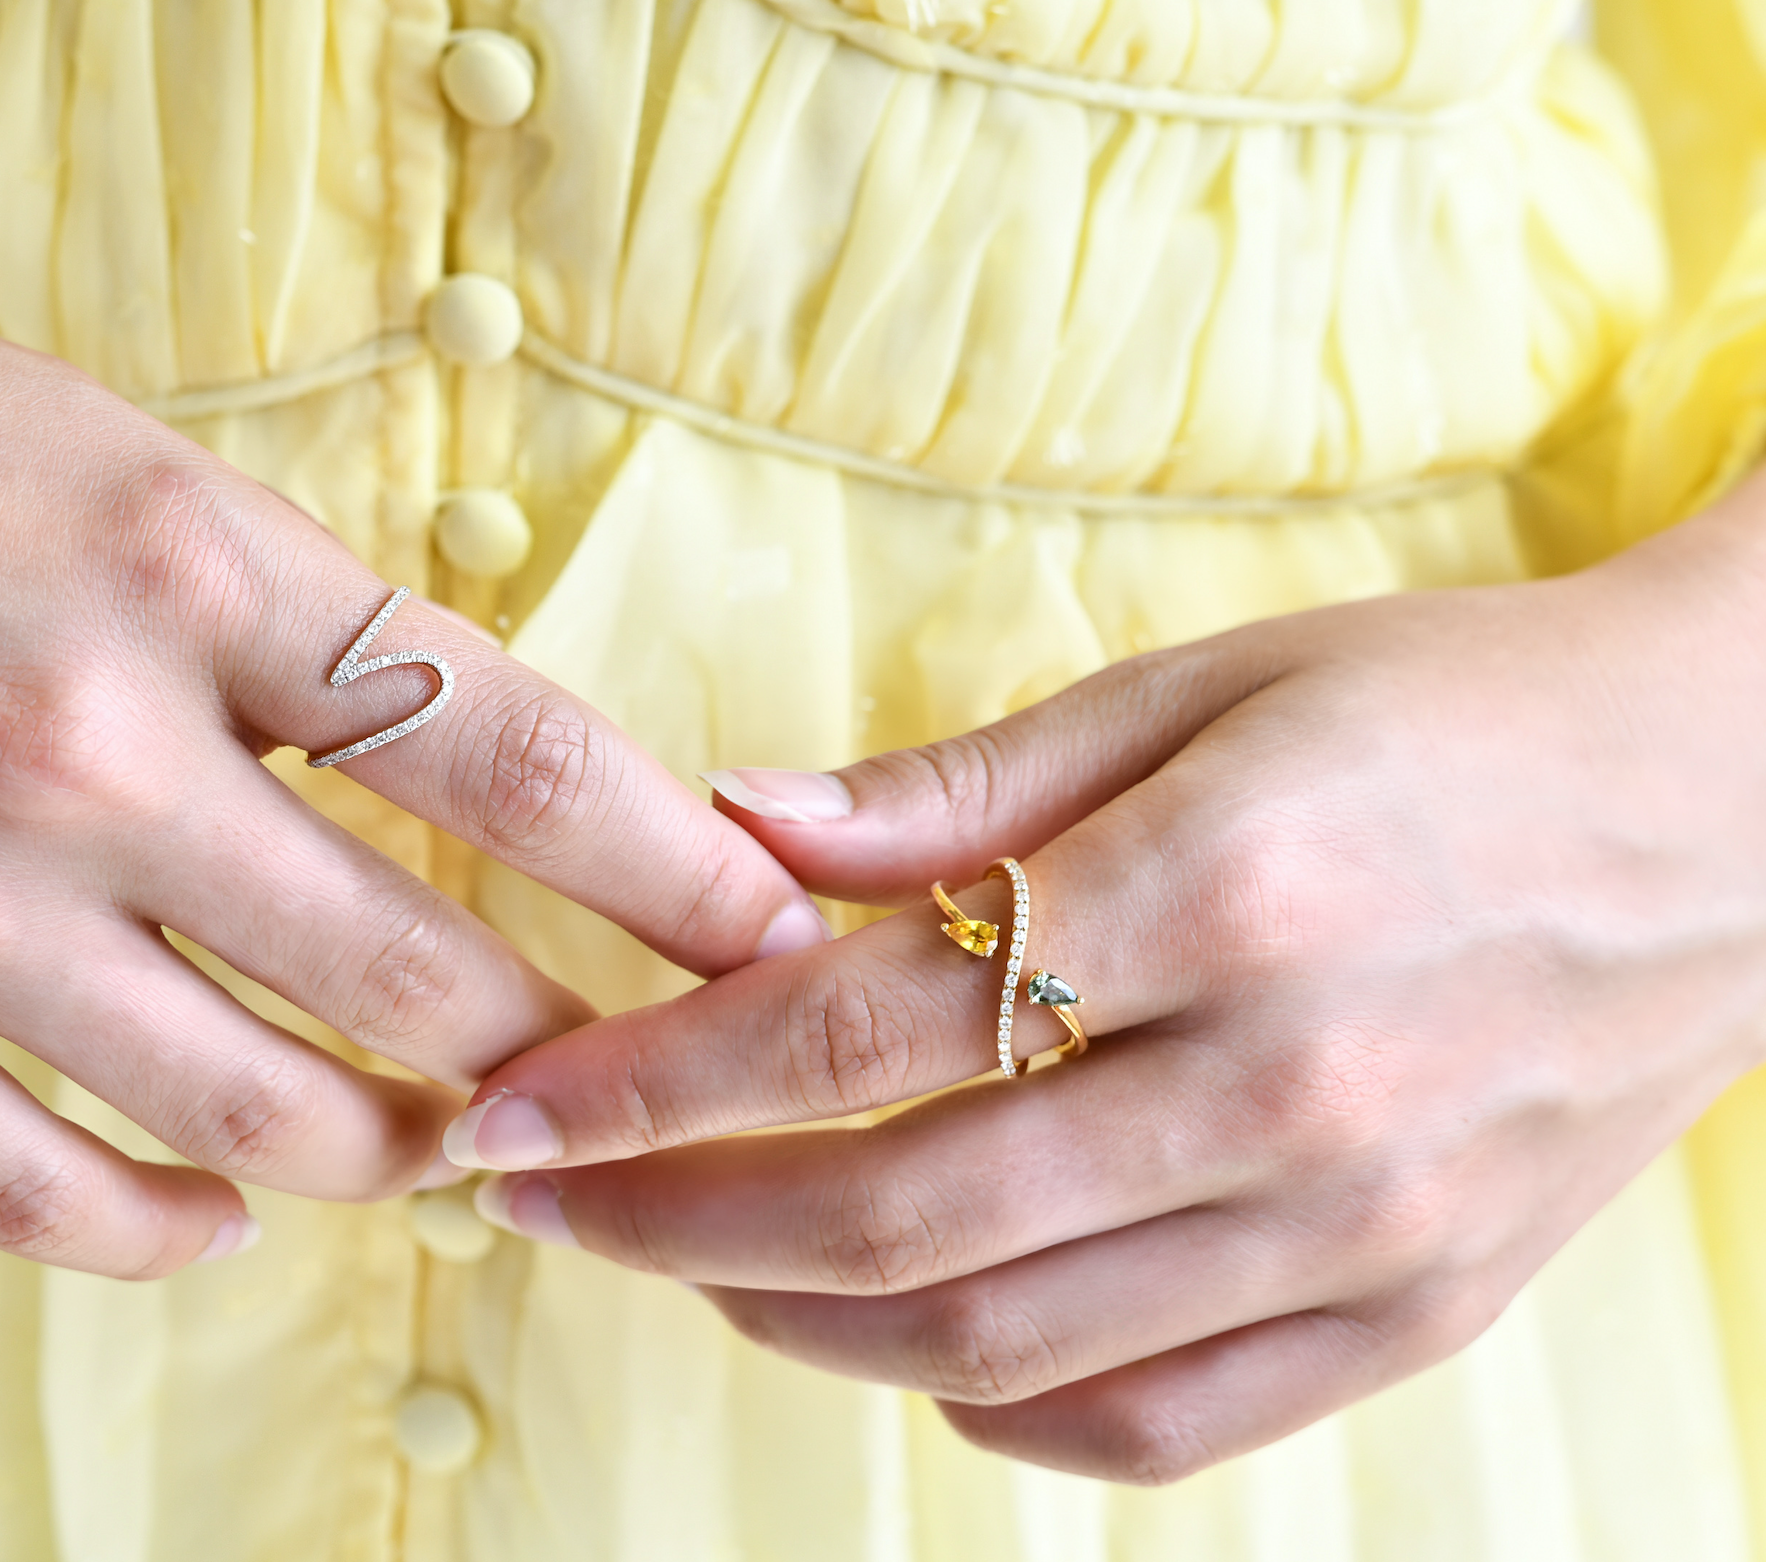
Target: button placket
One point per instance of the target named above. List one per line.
(437, 1430)
(473, 320)
(487, 78)
(483, 532)
(449, 1228)
(474, 323)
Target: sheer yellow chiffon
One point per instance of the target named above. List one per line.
(890, 364)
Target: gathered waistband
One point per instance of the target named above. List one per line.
(404, 348)
(914, 53)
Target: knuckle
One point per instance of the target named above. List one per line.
(719, 898)
(850, 1037)
(61, 744)
(250, 1125)
(636, 1235)
(40, 1208)
(879, 1240)
(546, 770)
(1395, 1224)
(1327, 1094)
(1403, 1226)
(1434, 1320)
(184, 556)
(1461, 1319)
(969, 772)
(1156, 1445)
(405, 983)
(984, 1351)
(637, 1112)
(1244, 897)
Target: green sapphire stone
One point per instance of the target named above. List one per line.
(1047, 988)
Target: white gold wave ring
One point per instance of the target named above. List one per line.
(353, 667)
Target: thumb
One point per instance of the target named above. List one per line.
(880, 831)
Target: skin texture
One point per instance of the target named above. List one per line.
(1411, 930)
(164, 623)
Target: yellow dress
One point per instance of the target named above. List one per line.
(888, 364)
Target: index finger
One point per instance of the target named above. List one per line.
(512, 764)
(883, 1015)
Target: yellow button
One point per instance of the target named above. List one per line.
(474, 319)
(483, 532)
(449, 1227)
(487, 78)
(437, 1431)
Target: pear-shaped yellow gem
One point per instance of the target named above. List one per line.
(979, 938)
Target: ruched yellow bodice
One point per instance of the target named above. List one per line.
(991, 281)
(1361, 51)
(879, 366)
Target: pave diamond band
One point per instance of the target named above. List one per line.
(353, 667)
(1045, 988)
(1007, 868)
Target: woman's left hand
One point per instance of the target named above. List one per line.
(1409, 932)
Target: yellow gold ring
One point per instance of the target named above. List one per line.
(1047, 989)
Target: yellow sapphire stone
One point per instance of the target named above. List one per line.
(979, 938)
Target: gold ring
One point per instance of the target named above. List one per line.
(1046, 989)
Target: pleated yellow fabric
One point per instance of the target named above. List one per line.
(1356, 50)
(890, 365)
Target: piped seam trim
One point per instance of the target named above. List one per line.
(855, 463)
(928, 55)
(404, 348)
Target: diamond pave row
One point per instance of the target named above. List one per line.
(353, 667)
(1014, 964)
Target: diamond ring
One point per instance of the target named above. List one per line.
(982, 938)
(353, 667)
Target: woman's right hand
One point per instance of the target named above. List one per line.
(164, 623)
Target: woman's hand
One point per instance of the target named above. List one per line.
(163, 623)
(1411, 931)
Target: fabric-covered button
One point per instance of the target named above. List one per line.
(447, 1225)
(474, 319)
(487, 78)
(483, 532)
(437, 1431)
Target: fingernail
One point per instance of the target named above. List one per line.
(234, 1235)
(442, 1173)
(504, 1132)
(528, 1206)
(796, 796)
(798, 926)
(460, 1137)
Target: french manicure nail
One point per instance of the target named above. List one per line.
(798, 926)
(234, 1235)
(796, 796)
(460, 1137)
(528, 1206)
(504, 1132)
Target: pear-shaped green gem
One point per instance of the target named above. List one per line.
(1047, 988)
